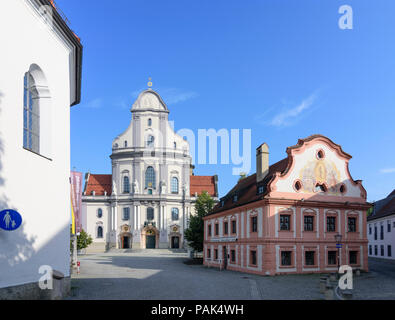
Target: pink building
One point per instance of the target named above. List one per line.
(284, 218)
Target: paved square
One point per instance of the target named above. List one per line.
(162, 275)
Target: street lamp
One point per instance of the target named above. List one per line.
(338, 238)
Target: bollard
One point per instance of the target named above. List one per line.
(329, 292)
(322, 284)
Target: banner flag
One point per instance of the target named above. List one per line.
(76, 197)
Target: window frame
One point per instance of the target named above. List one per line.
(329, 257)
(354, 225)
(174, 185)
(308, 224)
(253, 257)
(288, 222)
(125, 184)
(150, 178)
(148, 213)
(101, 233)
(173, 212)
(254, 224)
(31, 110)
(328, 218)
(282, 257)
(125, 210)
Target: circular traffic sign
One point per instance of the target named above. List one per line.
(10, 220)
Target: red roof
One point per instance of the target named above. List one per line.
(246, 188)
(198, 184)
(98, 183)
(103, 182)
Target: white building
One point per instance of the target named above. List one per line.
(40, 78)
(147, 200)
(381, 228)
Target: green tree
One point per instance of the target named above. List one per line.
(83, 240)
(194, 234)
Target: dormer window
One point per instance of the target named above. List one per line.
(320, 188)
(260, 189)
(235, 198)
(125, 144)
(222, 203)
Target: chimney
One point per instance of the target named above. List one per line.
(262, 162)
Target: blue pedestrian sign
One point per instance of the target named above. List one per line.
(10, 220)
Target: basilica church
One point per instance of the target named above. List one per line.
(148, 199)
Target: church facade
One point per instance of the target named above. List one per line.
(147, 200)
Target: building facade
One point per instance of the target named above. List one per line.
(147, 200)
(381, 228)
(284, 218)
(40, 79)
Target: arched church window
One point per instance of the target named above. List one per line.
(99, 232)
(126, 184)
(126, 213)
(149, 122)
(99, 213)
(150, 178)
(150, 214)
(174, 185)
(31, 115)
(150, 141)
(174, 214)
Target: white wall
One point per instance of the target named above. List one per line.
(36, 187)
(389, 237)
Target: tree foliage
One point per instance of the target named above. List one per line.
(83, 240)
(194, 234)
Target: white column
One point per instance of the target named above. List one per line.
(134, 217)
(138, 217)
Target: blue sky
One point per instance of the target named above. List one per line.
(283, 69)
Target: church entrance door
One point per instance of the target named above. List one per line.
(150, 242)
(175, 242)
(125, 243)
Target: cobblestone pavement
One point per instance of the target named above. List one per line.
(162, 275)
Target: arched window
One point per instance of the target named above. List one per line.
(149, 122)
(126, 213)
(37, 113)
(126, 184)
(150, 141)
(99, 213)
(174, 185)
(100, 232)
(150, 214)
(31, 115)
(150, 178)
(174, 214)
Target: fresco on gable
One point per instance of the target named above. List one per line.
(319, 172)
